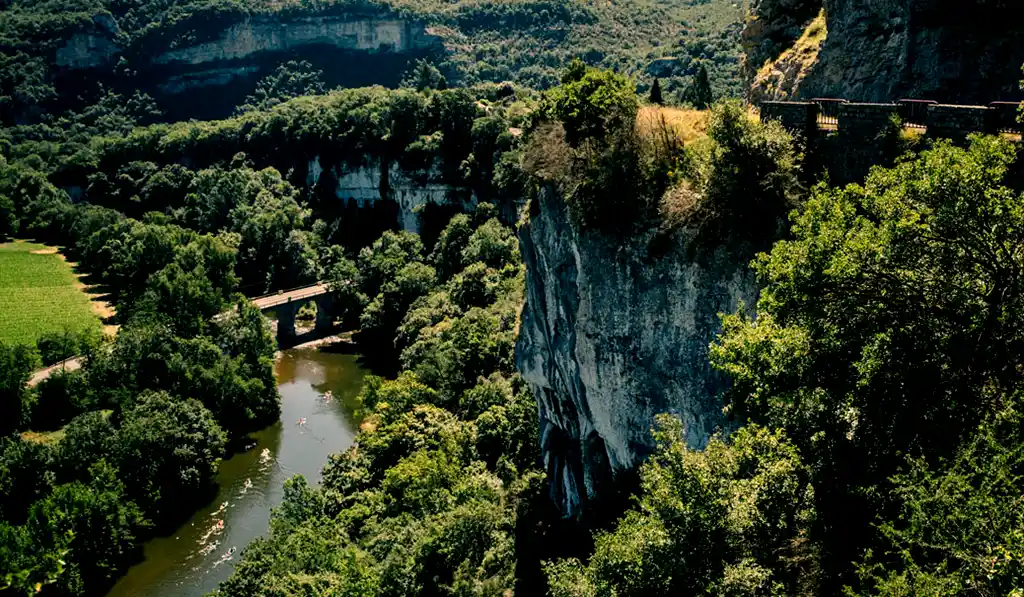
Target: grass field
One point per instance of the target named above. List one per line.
(39, 293)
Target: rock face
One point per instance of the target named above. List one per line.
(86, 50)
(366, 186)
(951, 51)
(772, 27)
(612, 335)
(220, 71)
(273, 35)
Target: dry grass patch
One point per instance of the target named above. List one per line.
(685, 125)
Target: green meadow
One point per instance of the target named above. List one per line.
(39, 293)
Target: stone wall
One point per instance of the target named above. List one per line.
(954, 122)
(865, 120)
(801, 117)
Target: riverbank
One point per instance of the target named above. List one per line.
(318, 392)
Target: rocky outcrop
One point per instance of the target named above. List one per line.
(91, 47)
(780, 79)
(368, 185)
(86, 50)
(611, 335)
(261, 35)
(951, 51)
(771, 28)
(205, 78)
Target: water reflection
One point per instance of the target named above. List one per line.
(318, 392)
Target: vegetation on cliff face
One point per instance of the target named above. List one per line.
(621, 169)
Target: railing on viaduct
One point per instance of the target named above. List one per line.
(940, 120)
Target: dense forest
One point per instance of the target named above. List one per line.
(874, 445)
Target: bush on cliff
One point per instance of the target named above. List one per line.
(736, 184)
(588, 148)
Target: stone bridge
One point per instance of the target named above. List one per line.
(845, 139)
(286, 305)
(822, 115)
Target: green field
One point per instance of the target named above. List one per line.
(39, 293)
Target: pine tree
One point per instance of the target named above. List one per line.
(699, 92)
(655, 97)
(424, 75)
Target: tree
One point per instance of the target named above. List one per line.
(888, 327)
(699, 92)
(378, 324)
(167, 451)
(57, 346)
(703, 519)
(591, 102)
(290, 79)
(16, 366)
(380, 262)
(655, 96)
(746, 179)
(87, 439)
(958, 529)
(59, 398)
(343, 280)
(186, 298)
(24, 85)
(446, 257)
(8, 217)
(95, 523)
(24, 477)
(423, 76)
(492, 244)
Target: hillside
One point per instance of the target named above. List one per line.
(60, 55)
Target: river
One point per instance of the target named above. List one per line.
(175, 565)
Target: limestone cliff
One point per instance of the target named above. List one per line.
(253, 36)
(368, 186)
(957, 51)
(224, 64)
(613, 334)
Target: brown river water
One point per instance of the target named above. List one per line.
(192, 560)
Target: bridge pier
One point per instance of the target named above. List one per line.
(323, 313)
(286, 322)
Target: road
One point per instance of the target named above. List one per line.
(67, 365)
